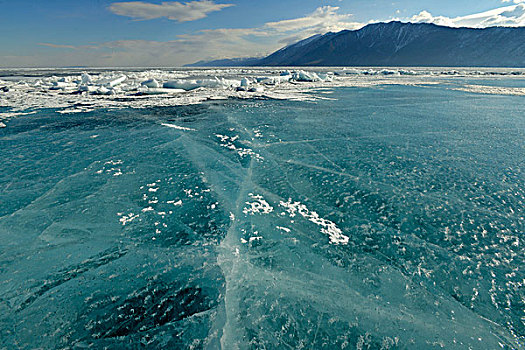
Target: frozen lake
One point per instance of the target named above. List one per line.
(347, 214)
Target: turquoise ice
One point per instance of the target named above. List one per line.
(382, 218)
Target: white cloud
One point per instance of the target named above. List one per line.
(232, 42)
(206, 44)
(270, 36)
(426, 17)
(507, 16)
(176, 11)
(323, 19)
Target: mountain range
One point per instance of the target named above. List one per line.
(399, 44)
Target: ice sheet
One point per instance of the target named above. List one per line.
(387, 214)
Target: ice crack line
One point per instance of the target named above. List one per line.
(231, 264)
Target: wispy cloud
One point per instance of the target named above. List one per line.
(226, 42)
(209, 43)
(173, 10)
(507, 16)
(324, 19)
(58, 46)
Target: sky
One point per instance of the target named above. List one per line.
(151, 33)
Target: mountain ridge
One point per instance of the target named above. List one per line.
(405, 44)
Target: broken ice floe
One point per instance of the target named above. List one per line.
(83, 92)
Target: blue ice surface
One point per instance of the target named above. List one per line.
(119, 232)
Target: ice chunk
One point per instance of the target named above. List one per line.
(206, 83)
(103, 91)
(151, 83)
(345, 71)
(245, 82)
(2, 125)
(274, 80)
(113, 82)
(256, 89)
(311, 76)
(325, 76)
(85, 79)
(88, 88)
(306, 76)
(387, 72)
(182, 84)
(62, 85)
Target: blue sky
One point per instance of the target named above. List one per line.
(49, 33)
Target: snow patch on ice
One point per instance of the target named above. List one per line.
(228, 142)
(328, 227)
(173, 126)
(258, 206)
(126, 219)
(492, 90)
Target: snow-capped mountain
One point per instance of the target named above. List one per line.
(407, 44)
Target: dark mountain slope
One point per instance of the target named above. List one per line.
(407, 44)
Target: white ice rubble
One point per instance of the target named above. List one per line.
(76, 91)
